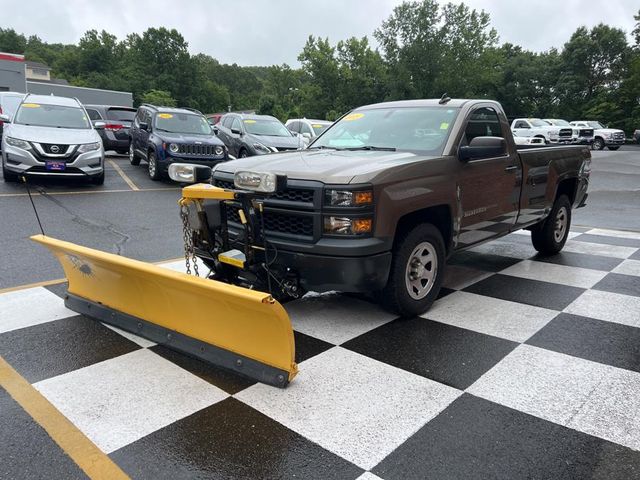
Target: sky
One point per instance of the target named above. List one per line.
(268, 32)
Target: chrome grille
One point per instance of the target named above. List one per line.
(618, 135)
(565, 132)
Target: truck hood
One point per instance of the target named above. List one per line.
(327, 166)
(602, 131)
(66, 136)
(171, 137)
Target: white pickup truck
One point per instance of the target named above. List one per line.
(602, 136)
(580, 135)
(536, 127)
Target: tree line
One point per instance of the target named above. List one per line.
(425, 49)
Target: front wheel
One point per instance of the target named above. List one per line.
(416, 272)
(133, 158)
(9, 176)
(154, 168)
(598, 144)
(550, 235)
(98, 179)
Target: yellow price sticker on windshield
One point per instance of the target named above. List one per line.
(444, 126)
(353, 116)
(317, 125)
(31, 105)
(165, 115)
(249, 121)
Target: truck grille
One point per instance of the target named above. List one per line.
(586, 132)
(565, 133)
(197, 150)
(289, 195)
(277, 222)
(618, 136)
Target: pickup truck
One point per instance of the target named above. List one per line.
(536, 127)
(612, 138)
(384, 196)
(580, 135)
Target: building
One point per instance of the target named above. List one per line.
(20, 75)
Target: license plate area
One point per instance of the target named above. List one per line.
(55, 165)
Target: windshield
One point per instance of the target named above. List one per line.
(536, 122)
(182, 123)
(51, 116)
(318, 128)
(268, 127)
(559, 123)
(595, 124)
(121, 114)
(423, 129)
(10, 104)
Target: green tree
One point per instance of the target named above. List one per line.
(159, 97)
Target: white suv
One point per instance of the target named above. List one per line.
(602, 136)
(51, 136)
(309, 129)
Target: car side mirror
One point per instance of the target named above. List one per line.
(236, 131)
(4, 118)
(483, 147)
(144, 126)
(215, 129)
(307, 135)
(99, 125)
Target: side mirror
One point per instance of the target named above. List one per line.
(215, 129)
(99, 125)
(144, 126)
(307, 135)
(483, 147)
(189, 173)
(235, 131)
(4, 118)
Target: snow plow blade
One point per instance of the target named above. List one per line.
(233, 327)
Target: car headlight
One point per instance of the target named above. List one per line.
(552, 134)
(608, 135)
(173, 147)
(89, 147)
(189, 173)
(16, 142)
(347, 226)
(348, 198)
(261, 148)
(256, 181)
(218, 150)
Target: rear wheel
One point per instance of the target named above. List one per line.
(416, 271)
(154, 168)
(598, 144)
(549, 236)
(243, 154)
(9, 176)
(133, 158)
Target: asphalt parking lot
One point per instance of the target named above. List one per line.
(524, 368)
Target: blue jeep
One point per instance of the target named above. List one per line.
(163, 135)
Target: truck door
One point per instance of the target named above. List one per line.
(488, 188)
(523, 129)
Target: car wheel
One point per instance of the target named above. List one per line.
(416, 273)
(243, 153)
(98, 179)
(9, 176)
(543, 139)
(598, 144)
(154, 168)
(133, 158)
(550, 235)
(614, 148)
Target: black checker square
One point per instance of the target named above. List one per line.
(523, 290)
(454, 356)
(53, 348)
(230, 440)
(620, 283)
(582, 260)
(477, 439)
(482, 261)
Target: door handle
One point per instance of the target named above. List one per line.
(511, 168)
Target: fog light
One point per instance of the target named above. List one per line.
(347, 226)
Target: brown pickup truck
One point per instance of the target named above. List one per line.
(380, 200)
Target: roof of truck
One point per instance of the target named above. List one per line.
(431, 102)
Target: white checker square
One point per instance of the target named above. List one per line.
(607, 306)
(628, 267)
(32, 306)
(549, 272)
(590, 397)
(614, 233)
(492, 316)
(121, 400)
(352, 405)
(614, 251)
(335, 318)
(368, 476)
(143, 342)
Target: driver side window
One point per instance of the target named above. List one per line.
(235, 125)
(483, 122)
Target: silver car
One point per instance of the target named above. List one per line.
(51, 136)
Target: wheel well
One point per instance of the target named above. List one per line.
(568, 187)
(439, 216)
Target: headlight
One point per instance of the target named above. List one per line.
(552, 134)
(348, 198)
(256, 181)
(89, 147)
(16, 142)
(347, 226)
(261, 148)
(218, 150)
(608, 135)
(189, 173)
(173, 148)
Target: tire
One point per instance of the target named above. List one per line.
(401, 294)
(598, 144)
(8, 176)
(614, 148)
(133, 158)
(243, 153)
(543, 138)
(98, 179)
(154, 168)
(550, 235)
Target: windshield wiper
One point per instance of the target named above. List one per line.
(320, 147)
(371, 147)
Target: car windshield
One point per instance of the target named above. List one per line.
(595, 124)
(58, 116)
(536, 122)
(182, 123)
(423, 129)
(268, 127)
(559, 123)
(10, 104)
(318, 128)
(121, 114)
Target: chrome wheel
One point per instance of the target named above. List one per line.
(560, 227)
(421, 270)
(131, 153)
(152, 166)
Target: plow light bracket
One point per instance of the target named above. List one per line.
(189, 173)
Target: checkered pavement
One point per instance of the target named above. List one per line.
(525, 367)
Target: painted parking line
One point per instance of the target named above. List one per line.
(124, 176)
(88, 192)
(80, 449)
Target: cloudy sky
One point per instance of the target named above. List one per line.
(266, 32)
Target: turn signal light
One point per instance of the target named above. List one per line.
(362, 225)
(363, 198)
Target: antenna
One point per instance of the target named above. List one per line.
(444, 99)
(24, 180)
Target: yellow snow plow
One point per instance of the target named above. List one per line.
(225, 324)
